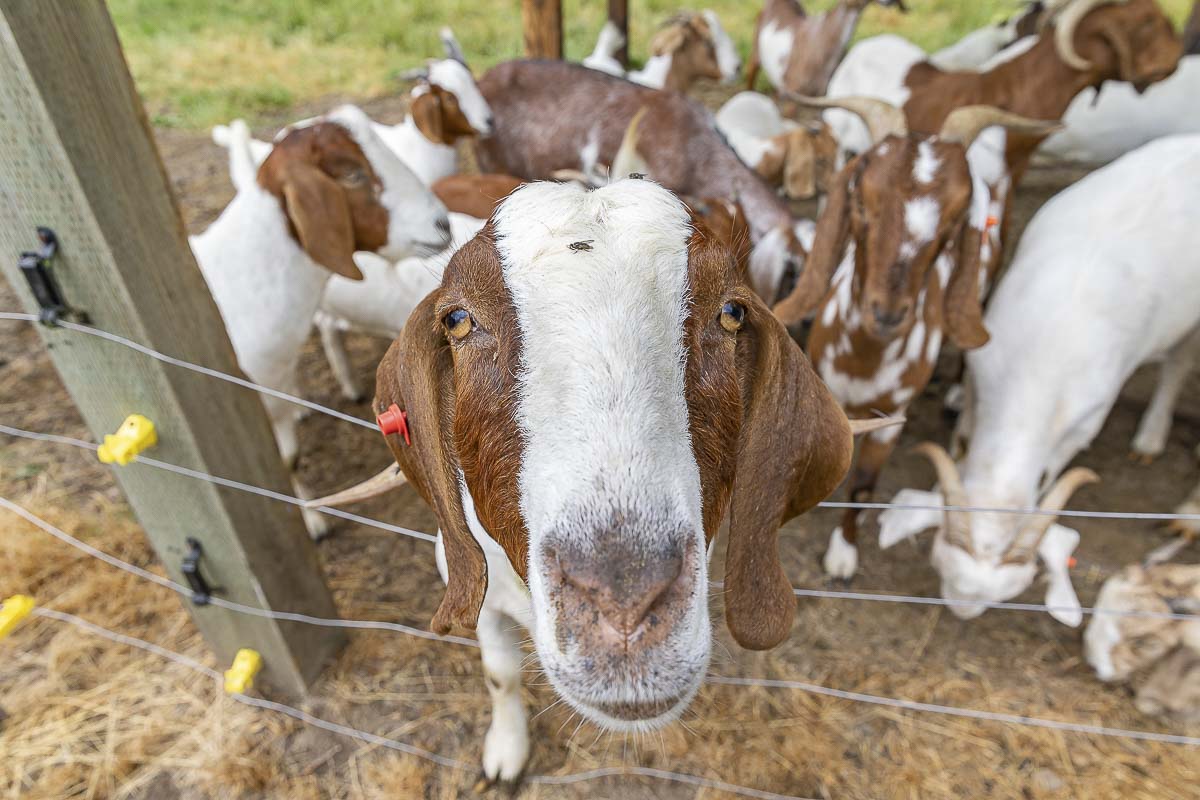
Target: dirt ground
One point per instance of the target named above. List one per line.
(432, 694)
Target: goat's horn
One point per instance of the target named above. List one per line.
(858, 427)
(415, 74)
(962, 125)
(881, 117)
(958, 523)
(627, 160)
(1064, 30)
(451, 46)
(1025, 545)
(389, 479)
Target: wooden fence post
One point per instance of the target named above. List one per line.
(542, 20)
(618, 14)
(77, 155)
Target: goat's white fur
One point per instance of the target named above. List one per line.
(1101, 283)
(267, 287)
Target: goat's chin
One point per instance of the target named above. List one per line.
(613, 713)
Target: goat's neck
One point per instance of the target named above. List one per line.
(1009, 448)
(429, 160)
(1037, 83)
(658, 73)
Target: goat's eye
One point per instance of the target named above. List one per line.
(354, 178)
(733, 315)
(458, 323)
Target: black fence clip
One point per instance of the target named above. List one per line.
(201, 591)
(35, 266)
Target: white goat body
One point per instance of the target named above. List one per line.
(1101, 283)
(1101, 128)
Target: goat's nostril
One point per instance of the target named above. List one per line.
(888, 318)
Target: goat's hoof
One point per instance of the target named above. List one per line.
(841, 559)
(354, 395)
(508, 787)
(1145, 459)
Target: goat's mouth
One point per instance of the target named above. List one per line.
(622, 713)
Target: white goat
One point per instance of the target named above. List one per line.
(269, 255)
(445, 106)
(1104, 125)
(1103, 281)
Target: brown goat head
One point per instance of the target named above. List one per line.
(1130, 40)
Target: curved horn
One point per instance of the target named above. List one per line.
(1027, 542)
(958, 523)
(385, 481)
(450, 44)
(1064, 30)
(881, 117)
(962, 125)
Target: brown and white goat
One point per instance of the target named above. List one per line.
(688, 47)
(894, 265)
(798, 52)
(553, 116)
(590, 393)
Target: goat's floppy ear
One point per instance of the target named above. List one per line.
(668, 40)
(417, 375)
(427, 113)
(320, 213)
(829, 244)
(794, 449)
(961, 307)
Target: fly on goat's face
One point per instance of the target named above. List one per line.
(576, 247)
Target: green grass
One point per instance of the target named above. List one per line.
(199, 63)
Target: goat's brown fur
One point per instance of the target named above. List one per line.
(475, 195)
(439, 117)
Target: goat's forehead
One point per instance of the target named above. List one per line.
(451, 76)
(560, 243)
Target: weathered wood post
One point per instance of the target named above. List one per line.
(542, 20)
(618, 15)
(77, 155)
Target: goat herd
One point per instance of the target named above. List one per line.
(606, 371)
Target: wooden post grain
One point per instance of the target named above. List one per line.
(542, 20)
(77, 155)
(618, 15)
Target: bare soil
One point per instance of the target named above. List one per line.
(432, 694)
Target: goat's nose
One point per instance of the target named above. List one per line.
(888, 318)
(625, 590)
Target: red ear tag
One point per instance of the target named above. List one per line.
(992, 222)
(394, 421)
(1071, 562)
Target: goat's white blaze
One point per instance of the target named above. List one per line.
(601, 403)
(921, 216)
(728, 60)
(457, 79)
(926, 166)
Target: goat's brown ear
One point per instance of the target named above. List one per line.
(795, 447)
(668, 40)
(961, 306)
(320, 213)
(427, 113)
(417, 375)
(829, 244)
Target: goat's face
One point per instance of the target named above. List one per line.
(910, 198)
(448, 104)
(582, 390)
(1132, 41)
(1117, 646)
(689, 41)
(343, 190)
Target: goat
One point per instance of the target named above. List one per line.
(1104, 124)
(799, 158)
(553, 116)
(594, 536)
(1120, 644)
(978, 47)
(799, 53)
(444, 106)
(327, 188)
(1173, 688)
(895, 262)
(687, 47)
(1101, 283)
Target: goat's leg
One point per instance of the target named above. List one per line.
(752, 63)
(506, 746)
(338, 358)
(1152, 431)
(284, 419)
(841, 559)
